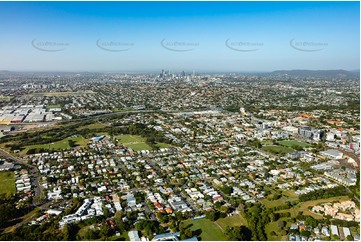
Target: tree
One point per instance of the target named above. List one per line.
(106, 212)
(226, 189)
(8, 195)
(119, 221)
(274, 217)
(224, 209)
(349, 238)
(241, 208)
(217, 205)
(241, 233)
(69, 232)
(185, 234)
(91, 235)
(335, 237)
(305, 233)
(311, 221)
(71, 143)
(211, 215)
(104, 230)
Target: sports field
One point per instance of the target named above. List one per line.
(290, 143)
(135, 142)
(58, 145)
(277, 149)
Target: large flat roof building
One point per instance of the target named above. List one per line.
(335, 154)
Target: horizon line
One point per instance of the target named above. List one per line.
(178, 70)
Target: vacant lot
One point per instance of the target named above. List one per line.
(277, 149)
(208, 230)
(290, 143)
(7, 182)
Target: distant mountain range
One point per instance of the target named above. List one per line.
(318, 73)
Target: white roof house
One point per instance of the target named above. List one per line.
(334, 230)
(346, 231)
(133, 235)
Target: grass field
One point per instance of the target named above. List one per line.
(209, 231)
(303, 207)
(135, 142)
(59, 145)
(93, 126)
(286, 196)
(290, 194)
(290, 143)
(7, 182)
(273, 226)
(277, 148)
(235, 220)
(355, 230)
(273, 203)
(128, 138)
(163, 145)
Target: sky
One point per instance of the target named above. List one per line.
(176, 36)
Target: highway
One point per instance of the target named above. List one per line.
(104, 115)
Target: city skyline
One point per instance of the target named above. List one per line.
(201, 36)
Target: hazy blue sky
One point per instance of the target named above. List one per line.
(216, 36)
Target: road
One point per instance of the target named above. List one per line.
(135, 189)
(108, 114)
(33, 172)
